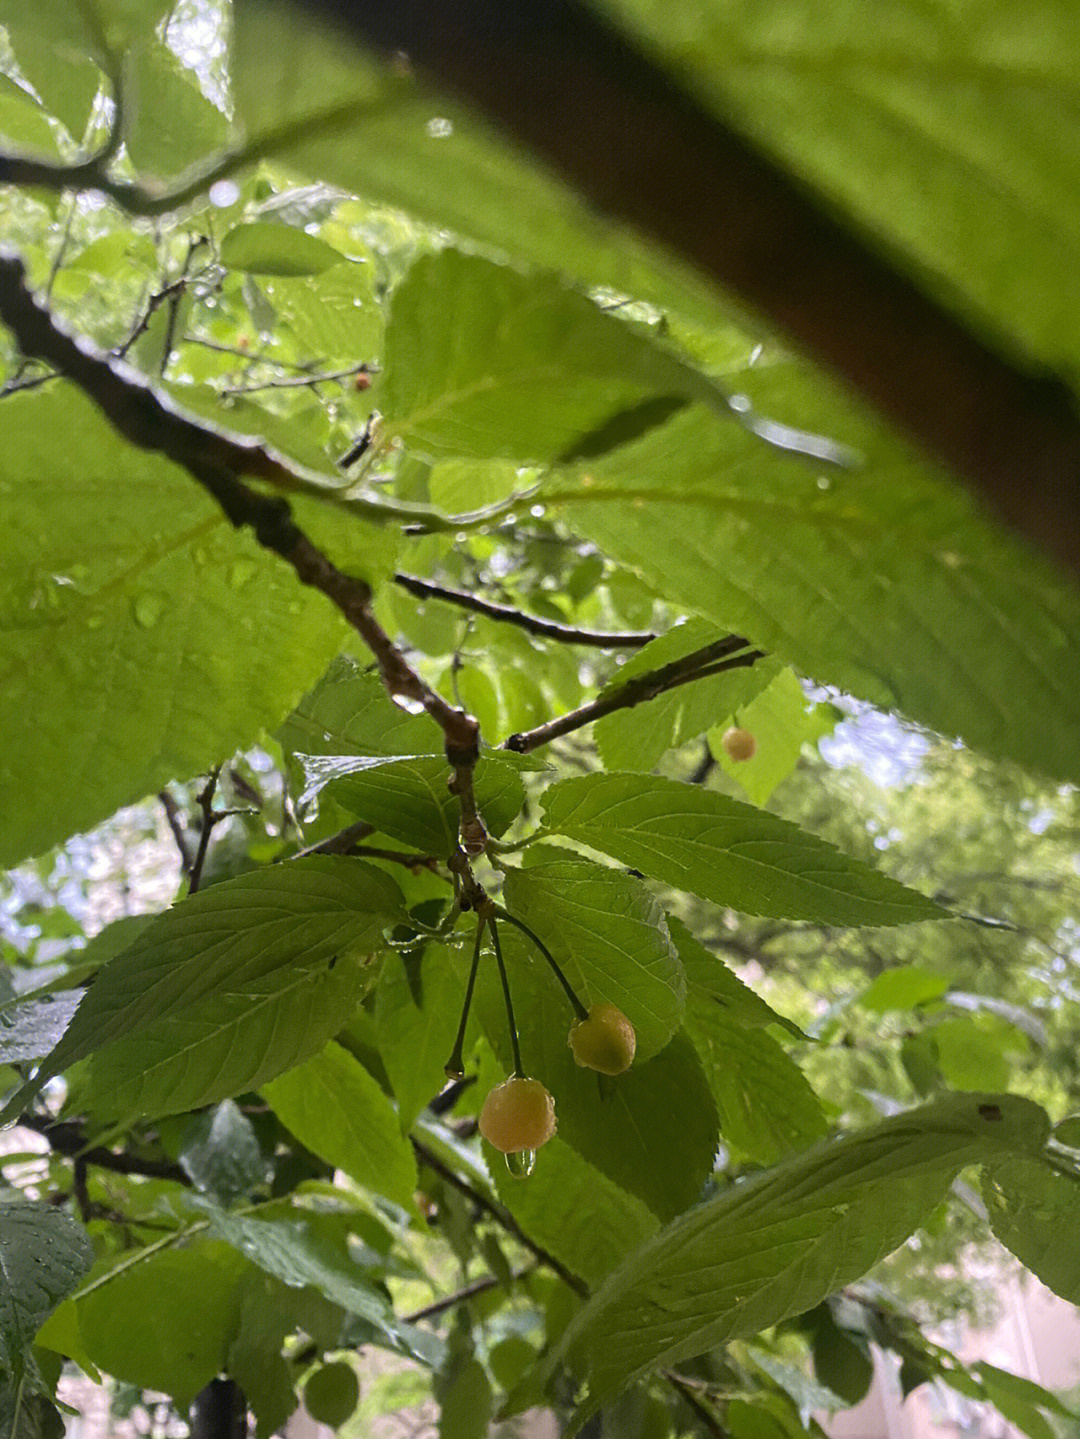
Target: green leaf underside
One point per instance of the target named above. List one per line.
(43, 1255)
(727, 851)
(486, 362)
(778, 1244)
(887, 583)
(123, 594)
(610, 937)
(574, 1211)
(332, 1105)
(408, 797)
(230, 987)
(416, 1012)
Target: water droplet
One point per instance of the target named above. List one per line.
(408, 704)
(439, 127)
(824, 483)
(148, 610)
(521, 1163)
(94, 622)
(240, 572)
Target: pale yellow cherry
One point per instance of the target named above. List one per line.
(605, 1041)
(518, 1114)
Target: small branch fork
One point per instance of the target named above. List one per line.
(731, 652)
(217, 462)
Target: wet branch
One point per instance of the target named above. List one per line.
(532, 624)
(731, 652)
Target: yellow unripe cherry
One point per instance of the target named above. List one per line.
(518, 1114)
(740, 744)
(605, 1041)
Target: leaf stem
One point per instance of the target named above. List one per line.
(578, 1008)
(519, 1072)
(455, 1065)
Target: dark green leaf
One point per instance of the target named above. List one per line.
(221, 1153)
(417, 1004)
(726, 851)
(30, 1029)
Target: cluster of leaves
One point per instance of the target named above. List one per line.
(533, 446)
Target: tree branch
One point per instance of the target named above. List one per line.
(216, 461)
(68, 1139)
(463, 1295)
(712, 659)
(501, 1216)
(344, 842)
(533, 624)
(176, 827)
(563, 83)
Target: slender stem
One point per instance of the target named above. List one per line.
(731, 652)
(205, 802)
(578, 1007)
(532, 624)
(519, 1072)
(455, 1065)
(463, 1295)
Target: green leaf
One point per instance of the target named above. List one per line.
(221, 1153)
(169, 124)
(56, 50)
(726, 851)
(840, 1363)
(122, 596)
(1021, 1401)
(709, 976)
(313, 1250)
(766, 1106)
(349, 712)
(1035, 1212)
(906, 987)
(196, 1009)
(485, 362)
(782, 720)
(974, 1054)
(43, 1255)
(888, 583)
(262, 248)
(333, 315)
(417, 1004)
(325, 107)
(30, 1029)
(24, 1415)
(777, 1244)
(465, 1402)
(334, 1107)
(269, 1312)
(574, 1211)
(941, 139)
(610, 936)
(636, 738)
(409, 799)
(164, 1322)
(24, 124)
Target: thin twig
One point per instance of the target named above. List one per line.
(685, 1391)
(298, 382)
(67, 1138)
(210, 818)
(176, 825)
(344, 842)
(532, 624)
(463, 1295)
(732, 652)
(501, 1216)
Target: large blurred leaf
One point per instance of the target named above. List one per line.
(885, 581)
(941, 131)
(726, 851)
(574, 1211)
(309, 97)
(609, 935)
(230, 987)
(58, 52)
(777, 1244)
(334, 1108)
(126, 602)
